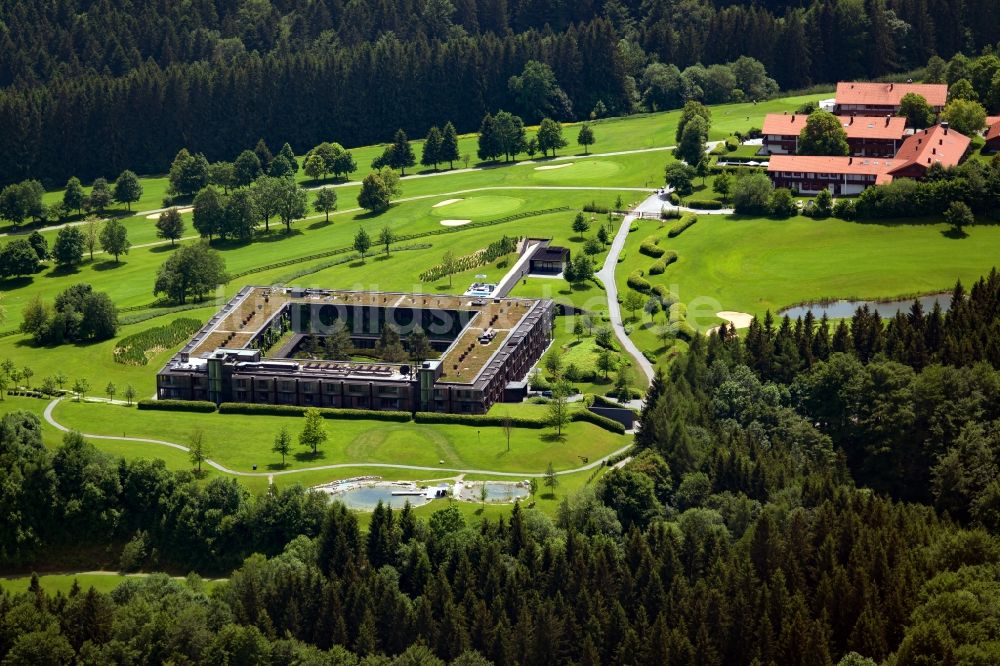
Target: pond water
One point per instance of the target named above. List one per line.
(365, 498)
(843, 309)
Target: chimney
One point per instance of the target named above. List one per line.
(852, 121)
(933, 151)
(850, 160)
(890, 86)
(940, 142)
(887, 121)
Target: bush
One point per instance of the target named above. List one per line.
(637, 281)
(669, 213)
(598, 420)
(686, 221)
(661, 266)
(674, 199)
(252, 409)
(633, 227)
(732, 143)
(481, 420)
(594, 207)
(666, 297)
(753, 133)
(718, 150)
(844, 209)
(201, 406)
(650, 249)
(704, 204)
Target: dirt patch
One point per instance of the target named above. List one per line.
(446, 202)
(549, 167)
(185, 209)
(455, 223)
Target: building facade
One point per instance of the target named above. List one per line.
(867, 136)
(248, 352)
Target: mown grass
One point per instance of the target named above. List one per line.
(239, 442)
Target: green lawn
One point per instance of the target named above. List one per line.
(239, 442)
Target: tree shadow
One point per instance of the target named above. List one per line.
(306, 456)
(11, 284)
(166, 247)
(381, 257)
(320, 224)
(553, 437)
(954, 233)
(62, 271)
(357, 264)
(278, 466)
(108, 265)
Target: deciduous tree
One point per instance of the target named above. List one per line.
(128, 189)
(170, 225)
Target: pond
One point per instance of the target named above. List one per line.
(366, 497)
(844, 309)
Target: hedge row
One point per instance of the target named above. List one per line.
(253, 409)
(201, 406)
(666, 297)
(598, 420)
(660, 266)
(650, 248)
(604, 401)
(637, 281)
(678, 321)
(594, 207)
(481, 420)
(685, 222)
(704, 204)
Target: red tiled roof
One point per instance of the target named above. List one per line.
(993, 132)
(856, 127)
(889, 94)
(828, 164)
(935, 144)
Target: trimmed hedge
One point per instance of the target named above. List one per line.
(649, 248)
(666, 298)
(594, 207)
(660, 266)
(732, 143)
(598, 420)
(481, 420)
(201, 406)
(253, 409)
(675, 199)
(604, 401)
(704, 204)
(685, 222)
(637, 281)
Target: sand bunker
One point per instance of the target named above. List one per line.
(738, 319)
(549, 167)
(454, 223)
(185, 209)
(445, 203)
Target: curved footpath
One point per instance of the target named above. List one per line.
(607, 276)
(225, 470)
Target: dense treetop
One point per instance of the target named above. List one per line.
(216, 75)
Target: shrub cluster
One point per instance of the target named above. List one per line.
(704, 204)
(598, 420)
(660, 266)
(132, 350)
(594, 207)
(677, 319)
(494, 250)
(685, 222)
(666, 296)
(649, 247)
(637, 281)
(732, 143)
(482, 420)
(201, 406)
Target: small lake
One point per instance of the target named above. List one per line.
(504, 492)
(366, 498)
(843, 309)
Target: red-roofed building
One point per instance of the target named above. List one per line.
(808, 174)
(850, 175)
(992, 134)
(878, 99)
(866, 135)
(926, 147)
